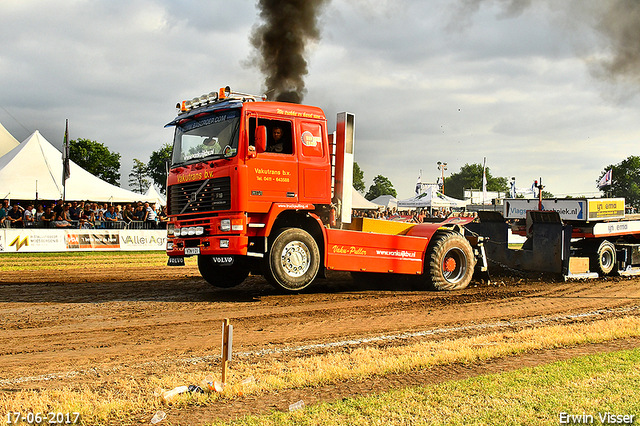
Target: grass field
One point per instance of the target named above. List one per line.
(585, 386)
(589, 385)
(126, 399)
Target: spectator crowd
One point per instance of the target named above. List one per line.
(415, 216)
(82, 215)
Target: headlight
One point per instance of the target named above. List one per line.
(171, 229)
(199, 230)
(224, 243)
(225, 225)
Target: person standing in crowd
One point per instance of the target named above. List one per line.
(111, 217)
(150, 216)
(74, 211)
(15, 216)
(47, 217)
(127, 214)
(39, 213)
(28, 219)
(3, 213)
(139, 213)
(58, 208)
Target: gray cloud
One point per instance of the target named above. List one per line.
(520, 83)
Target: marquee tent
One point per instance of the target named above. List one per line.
(33, 170)
(361, 203)
(158, 198)
(7, 141)
(431, 198)
(386, 201)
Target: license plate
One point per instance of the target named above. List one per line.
(190, 251)
(222, 260)
(175, 261)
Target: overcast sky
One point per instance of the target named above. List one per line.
(526, 84)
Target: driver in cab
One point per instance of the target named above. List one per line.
(276, 144)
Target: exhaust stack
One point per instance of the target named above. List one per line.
(344, 143)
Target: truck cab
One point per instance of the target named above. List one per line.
(262, 187)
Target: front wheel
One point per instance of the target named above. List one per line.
(293, 260)
(451, 262)
(221, 275)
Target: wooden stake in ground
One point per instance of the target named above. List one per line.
(227, 344)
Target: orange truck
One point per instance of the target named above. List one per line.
(263, 188)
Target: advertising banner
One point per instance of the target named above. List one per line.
(606, 208)
(59, 240)
(568, 209)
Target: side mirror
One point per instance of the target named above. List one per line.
(261, 139)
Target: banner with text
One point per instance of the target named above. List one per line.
(58, 240)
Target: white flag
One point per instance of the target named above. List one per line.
(419, 185)
(606, 179)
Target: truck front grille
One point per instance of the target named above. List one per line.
(214, 195)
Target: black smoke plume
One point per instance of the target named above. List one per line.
(620, 24)
(288, 25)
(615, 58)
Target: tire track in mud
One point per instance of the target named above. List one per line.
(122, 319)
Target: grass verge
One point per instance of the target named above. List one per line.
(103, 400)
(77, 260)
(588, 386)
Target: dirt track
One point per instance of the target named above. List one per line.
(128, 321)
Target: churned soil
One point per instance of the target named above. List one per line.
(83, 326)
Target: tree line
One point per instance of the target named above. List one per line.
(98, 160)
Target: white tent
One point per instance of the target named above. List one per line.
(7, 141)
(431, 198)
(33, 169)
(361, 203)
(386, 201)
(158, 198)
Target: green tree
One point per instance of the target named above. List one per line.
(96, 158)
(138, 178)
(470, 177)
(157, 166)
(358, 178)
(381, 186)
(625, 177)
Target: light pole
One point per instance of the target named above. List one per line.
(442, 166)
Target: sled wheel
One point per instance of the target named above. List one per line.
(451, 262)
(603, 261)
(293, 260)
(223, 276)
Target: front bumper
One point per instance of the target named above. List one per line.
(208, 245)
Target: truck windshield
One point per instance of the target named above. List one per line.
(205, 138)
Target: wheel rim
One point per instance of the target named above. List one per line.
(295, 259)
(606, 259)
(454, 265)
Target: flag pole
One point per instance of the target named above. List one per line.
(484, 181)
(65, 161)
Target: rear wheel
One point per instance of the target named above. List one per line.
(224, 276)
(451, 262)
(293, 260)
(603, 260)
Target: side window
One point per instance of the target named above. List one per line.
(279, 135)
